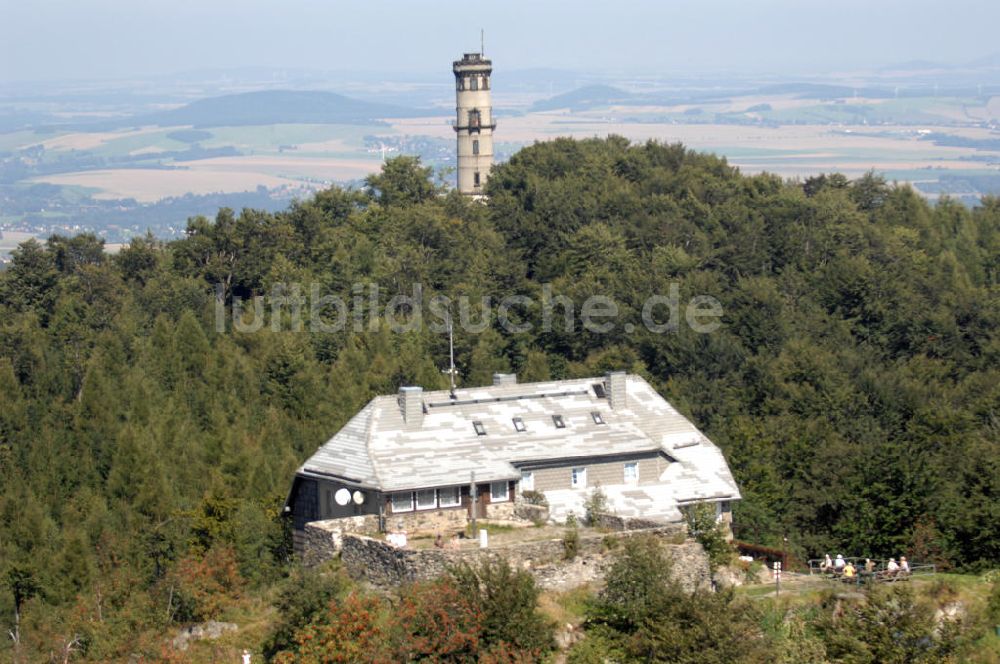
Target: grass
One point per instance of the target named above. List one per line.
(567, 607)
(267, 138)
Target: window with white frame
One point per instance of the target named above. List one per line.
(402, 502)
(632, 472)
(519, 425)
(479, 427)
(426, 499)
(578, 478)
(449, 497)
(498, 492)
(559, 421)
(527, 480)
(598, 418)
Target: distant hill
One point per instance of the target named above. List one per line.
(584, 98)
(277, 106)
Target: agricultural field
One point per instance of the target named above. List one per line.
(55, 179)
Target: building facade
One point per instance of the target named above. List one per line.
(474, 123)
(433, 460)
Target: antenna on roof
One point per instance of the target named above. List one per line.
(482, 41)
(451, 371)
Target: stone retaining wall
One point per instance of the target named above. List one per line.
(620, 523)
(320, 541)
(381, 564)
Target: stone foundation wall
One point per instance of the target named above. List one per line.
(379, 563)
(446, 521)
(502, 511)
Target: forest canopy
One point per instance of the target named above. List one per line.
(854, 384)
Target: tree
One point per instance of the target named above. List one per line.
(21, 580)
(403, 181)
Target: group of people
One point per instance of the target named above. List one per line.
(846, 569)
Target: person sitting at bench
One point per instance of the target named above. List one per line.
(849, 570)
(892, 569)
(869, 566)
(826, 565)
(904, 567)
(838, 565)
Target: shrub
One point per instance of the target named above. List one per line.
(201, 586)
(596, 505)
(571, 543)
(438, 622)
(346, 633)
(509, 601)
(301, 597)
(535, 498)
(703, 526)
(640, 573)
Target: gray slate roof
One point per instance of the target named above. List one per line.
(378, 449)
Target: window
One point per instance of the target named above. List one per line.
(558, 421)
(475, 178)
(498, 492)
(519, 425)
(486, 82)
(598, 418)
(402, 502)
(527, 481)
(480, 429)
(426, 500)
(449, 497)
(475, 83)
(632, 472)
(329, 501)
(475, 147)
(578, 478)
(460, 83)
(474, 118)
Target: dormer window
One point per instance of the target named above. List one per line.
(519, 425)
(480, 429)
(598, 418)
(558, 421)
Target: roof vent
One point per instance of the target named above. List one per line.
(615, 386)
(500, 379)
(411, 405)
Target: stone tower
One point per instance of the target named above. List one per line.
(474, 123)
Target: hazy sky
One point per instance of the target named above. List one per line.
(51, 39)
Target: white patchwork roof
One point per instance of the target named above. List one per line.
(379, 449)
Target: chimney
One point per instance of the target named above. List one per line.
(411, 405)
(614, 387)
(500, 379)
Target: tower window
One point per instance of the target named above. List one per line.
(474, 118)
(474, 83)
(486, 82)
(460, 83)
(475, 179)
(475, 146)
